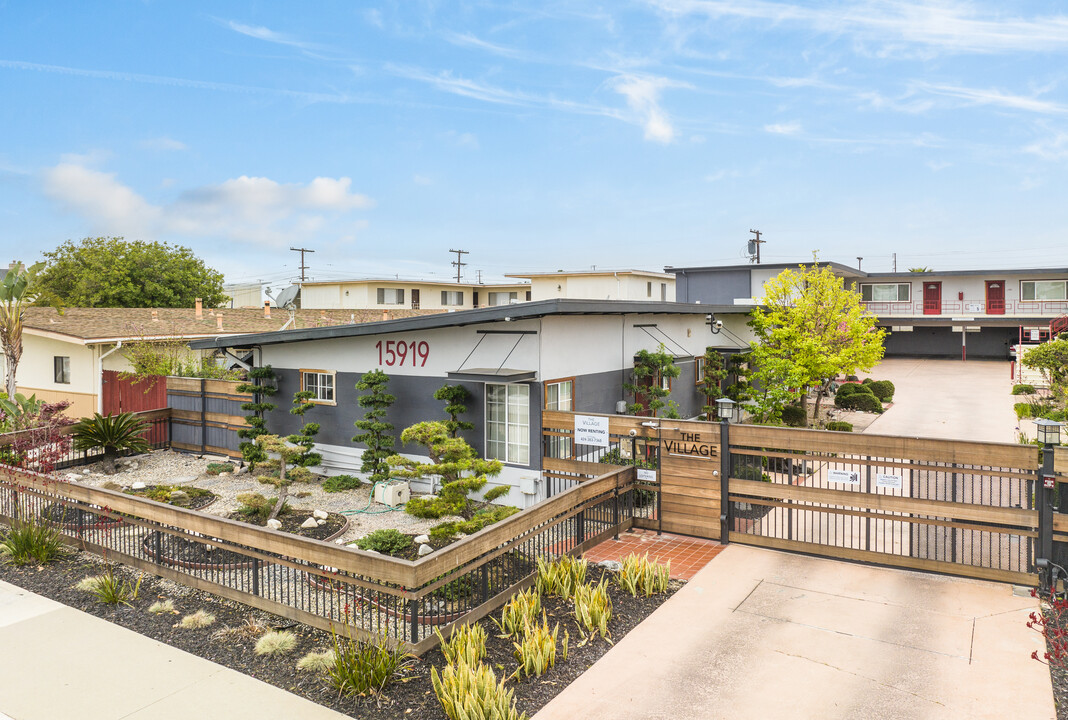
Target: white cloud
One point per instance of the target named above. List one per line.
(271, 36)
(643, 96)
(1051, 148)
(977, 96)
(790, 128)
(163, 143)
(252, 209)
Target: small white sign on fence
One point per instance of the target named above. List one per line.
(646, 475)
(849, 477)
(591, 430)
(888, 481)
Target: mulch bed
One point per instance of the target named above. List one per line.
(292, 518)
(412, 700)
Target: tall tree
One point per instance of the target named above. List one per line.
(114, 272)
(810, 328)
(455, 397)
(262, 388)
(651, 369)
(377, 433)
(20, 288)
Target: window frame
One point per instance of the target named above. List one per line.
(560, 448)
(1034, 283)
(380, 295)
(445, 295)
(60, 369)
(512, 295)
(898, 285)
(525, 442)
(332, 374)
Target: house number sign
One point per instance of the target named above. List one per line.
(399, 352)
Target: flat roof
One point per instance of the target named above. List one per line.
(988, 273)
(854, 272)
(397, 281)
(845, 269)
(577, 273)
(460, 318)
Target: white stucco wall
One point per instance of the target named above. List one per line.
(363, 296)
(601, 287)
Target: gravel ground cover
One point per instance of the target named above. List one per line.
(231, 639)
(172, 468)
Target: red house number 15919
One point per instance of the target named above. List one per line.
(398, 352)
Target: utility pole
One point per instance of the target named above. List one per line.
(755, 244)
(479, 276)
(303, 267)
(458, 262)
(859, 258)
(895, 262)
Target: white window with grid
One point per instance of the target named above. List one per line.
(390, 296)
(559, 395)
(452, 297)
(508, 423)
(320, 383)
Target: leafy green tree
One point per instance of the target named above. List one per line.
(262, 389)
(20, 288)
(1051, 359)
(305, 438)
(462, 473)
(455, 397)
(114, 272)
(377, 435)
(714, 371)
(281, 471)
(647, 383)
(809, 329)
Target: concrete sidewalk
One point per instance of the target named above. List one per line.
(58, 662)
(763, 634)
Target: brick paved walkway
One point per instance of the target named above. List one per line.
(687, 554)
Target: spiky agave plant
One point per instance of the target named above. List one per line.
(113, 434)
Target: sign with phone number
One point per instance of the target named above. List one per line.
(397, 353)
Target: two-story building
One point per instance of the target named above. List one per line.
(386, 294)
(641, 285)
(954, 313)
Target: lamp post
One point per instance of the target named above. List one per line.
(1049, 435)
(725, 411)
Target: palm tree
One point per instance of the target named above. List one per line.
(112, 434)
(18, 290)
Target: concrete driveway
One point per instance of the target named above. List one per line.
(763, 634)
(948, 399)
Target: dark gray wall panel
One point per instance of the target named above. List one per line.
(990, 343)
(719, 287)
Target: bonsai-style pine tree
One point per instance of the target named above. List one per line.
(285, 466)
(647, 383)
(305, 438)
(377, 435)
(262, 388)
(462, 472)
(455, 397)
(713, 374)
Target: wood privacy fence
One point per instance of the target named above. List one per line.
(206, 415)
(966, 508)
(128, 393)
(319, 583)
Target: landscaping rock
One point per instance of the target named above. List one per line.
(138, 486)
(320, 515)
(274, 524)
(309, 523)
(425, 549)
(422, 539)
(241, 470)
(72, 477)
(613, 565)
(179, 497)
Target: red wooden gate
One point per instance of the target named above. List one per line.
(128, 394)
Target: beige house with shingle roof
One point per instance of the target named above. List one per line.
(63, 356)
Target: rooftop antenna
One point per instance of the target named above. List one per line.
(458, 263)
(754, 247)
(859, 258)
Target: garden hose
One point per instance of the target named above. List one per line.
(366, 510)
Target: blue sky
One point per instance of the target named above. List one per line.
(537, 136)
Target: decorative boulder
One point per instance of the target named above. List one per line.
(320, 515)
(613, 565)
(309, 523)
(138, 486)
(422, 539)
(425, 549)
(179, 497)
(241, 470)
(274, 524)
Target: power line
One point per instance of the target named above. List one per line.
(458, 262)
(303, 267)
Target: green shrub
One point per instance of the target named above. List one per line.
(1023, 389)
(114, 434)
(341, 483)
(519, 611)
(750, 472)
(853, 389)
(840, 426)
(866, 381)
(473, 692)
(276, 642)
(316, 661)
(860, 401)
(217, 468)
(793, 415)
(639, 574)
(561, 577)
(482, 518)
(593, 609)
(388, 541)
(466, 642)
(162, 493)
(365, 667)
(197, 621)
(111, 590)
(257, 508)
(882, 389)
(536, 651)
(1023, 410)
(31, 541)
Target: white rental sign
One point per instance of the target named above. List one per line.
(849, 477)
(591, 430)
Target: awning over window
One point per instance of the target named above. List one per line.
(506, 375)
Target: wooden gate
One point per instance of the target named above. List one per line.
(127, 393)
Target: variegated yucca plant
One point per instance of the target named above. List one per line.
(523, 608)
(466, 642)
(536, 651)
(473, 693)
(639, 574)
(593, 609)
(561, 576)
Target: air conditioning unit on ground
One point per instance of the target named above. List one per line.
(392, 494)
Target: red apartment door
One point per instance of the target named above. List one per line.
(995, 297)
(932, 298)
